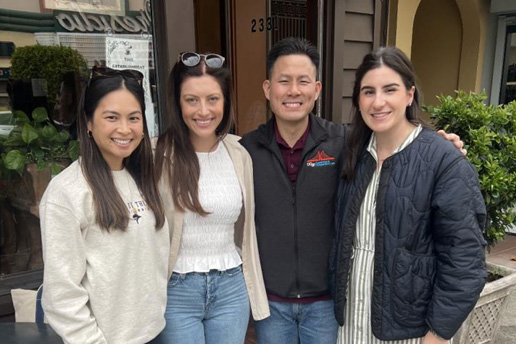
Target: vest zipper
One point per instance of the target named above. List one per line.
(296, 248)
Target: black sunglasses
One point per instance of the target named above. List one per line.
(106, 72)
(190, 59)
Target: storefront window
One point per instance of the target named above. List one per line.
(77, 35)
(508, 89)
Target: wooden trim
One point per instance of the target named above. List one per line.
(312, 18)
(43, 8)
(384, 22)
(328, 63)
(338, 57)
(377, 26)
(161, 60)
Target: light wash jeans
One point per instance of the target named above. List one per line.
(211, 308)
(293, 323)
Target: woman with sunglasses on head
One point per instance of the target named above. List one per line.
(206, 185)
(105, 237)
(408, 262)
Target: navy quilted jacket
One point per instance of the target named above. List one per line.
(429, 265)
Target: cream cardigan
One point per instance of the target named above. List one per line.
(245, 231)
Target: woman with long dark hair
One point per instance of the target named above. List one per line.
(105, 238)
(206, 183)
(408, 263)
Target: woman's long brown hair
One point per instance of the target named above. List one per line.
(175, 154)
(111, 213)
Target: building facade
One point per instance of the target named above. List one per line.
(458, 44)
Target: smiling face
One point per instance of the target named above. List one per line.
(383, 101)
(292, 88)
(117, 126)
(202, 107)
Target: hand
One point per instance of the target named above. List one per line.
(455, 139)
(430, 338)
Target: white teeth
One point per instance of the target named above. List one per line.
(291, 105)
(382, 114)
(205, 122)
(121, 142)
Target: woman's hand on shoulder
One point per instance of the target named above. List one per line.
(455, 139)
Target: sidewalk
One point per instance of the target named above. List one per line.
(503, 254)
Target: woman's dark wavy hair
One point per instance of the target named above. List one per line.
(360, 134)
(175, 154)
(110, 210)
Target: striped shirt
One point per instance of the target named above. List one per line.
(357, 326)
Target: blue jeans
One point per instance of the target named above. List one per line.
(211, 308)
(293, 323)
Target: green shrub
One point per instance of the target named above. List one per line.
(47, 62)
(489, 135)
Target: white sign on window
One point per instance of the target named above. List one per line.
(124, 53)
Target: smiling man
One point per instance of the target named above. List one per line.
(297, 161)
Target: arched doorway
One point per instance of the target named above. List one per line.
(436, 47)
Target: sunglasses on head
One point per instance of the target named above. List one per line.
(190, 59)
(106, 72)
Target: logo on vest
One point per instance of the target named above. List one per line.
(321, 159)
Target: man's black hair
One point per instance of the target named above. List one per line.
(292, 46)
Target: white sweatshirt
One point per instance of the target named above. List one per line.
(101, 287)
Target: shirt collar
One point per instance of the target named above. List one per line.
(300, 144)
(371, 147)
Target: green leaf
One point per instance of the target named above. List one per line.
(38, 154)
(14, 160)
(56, 168)
(48, 132)
(73, 149)
(21, 117)
(62, 136)
(29, 134)
(40, 114)
(15, 139)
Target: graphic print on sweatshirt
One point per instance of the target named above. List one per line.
(136, 209)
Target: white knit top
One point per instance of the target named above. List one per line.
(208, 241)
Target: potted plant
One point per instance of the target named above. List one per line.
(489, 134)
(33, 152)
(36, 147)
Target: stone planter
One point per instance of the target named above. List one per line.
(484, 320)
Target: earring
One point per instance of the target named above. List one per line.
(90, 134)
(143, 135)
(409, 104)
